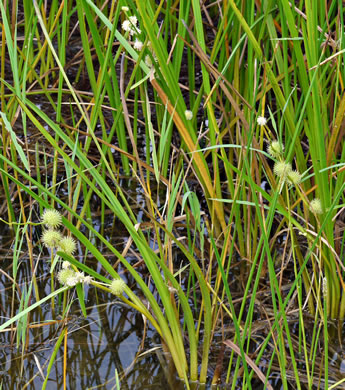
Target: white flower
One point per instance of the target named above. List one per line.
(65, 265)
(148, 61)
(125, 9)
(261, 121)
(133, 20)
(79, 276)
(87, 279)
(135, 31)
(130, 25)
(138, 45)
(126, 25)
(188, 114)
(72, 281)
(70, 278)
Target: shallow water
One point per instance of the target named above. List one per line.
(107, 340)
(111, 337)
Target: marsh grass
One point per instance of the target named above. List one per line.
(80, 107)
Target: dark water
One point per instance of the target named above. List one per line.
(113, 338)
(107, 340)
(110, 339)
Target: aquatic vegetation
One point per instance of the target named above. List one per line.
(138, 45)
(152, 119)
(294, 177)
(51, 218)
(262, 121)
(315, 206)
(51, 238)
(276, 149)
(66, 275)
(67, 245)
(188, 114)
(117, 286)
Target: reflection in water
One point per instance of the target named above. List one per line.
(107, 339)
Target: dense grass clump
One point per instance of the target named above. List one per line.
(228, 117)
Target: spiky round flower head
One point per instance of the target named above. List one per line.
(261, 121)
(275, 149)
(51, 238)
(51, 218)
(188, 114)
(67, 245)
(125, 8)
(117, 287)
(138, 45)
(315, 206)
(294, 177)
(65, 274)
(282, 169)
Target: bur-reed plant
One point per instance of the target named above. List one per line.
(268, 78)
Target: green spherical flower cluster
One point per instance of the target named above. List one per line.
(69, 277)
(51, 238)
(315, 206)
(285, 172)
(282, 169)
(294, 177)
(117, 287)
(65, 275)
(275, 149)
(67, 245)
(51, 218)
